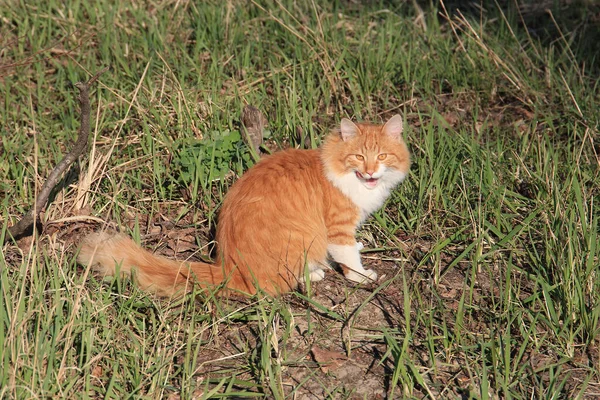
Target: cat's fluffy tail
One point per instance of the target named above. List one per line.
(110, 253)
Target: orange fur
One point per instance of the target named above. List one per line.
(285, 213)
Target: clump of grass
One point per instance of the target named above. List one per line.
(488, 252)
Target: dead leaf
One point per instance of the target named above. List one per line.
(97, 371)
(328, 360)
(83, 211)
(25, 243)
(182, 244)
(451, 118)
(180, 240)
(155, 230)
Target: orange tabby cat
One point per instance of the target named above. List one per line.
(287, 212)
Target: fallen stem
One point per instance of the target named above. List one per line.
(29, 219)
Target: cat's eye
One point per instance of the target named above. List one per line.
(382, 156)
(359, 157)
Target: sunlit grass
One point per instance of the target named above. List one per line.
(491, 245)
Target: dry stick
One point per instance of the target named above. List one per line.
(31, 216)
(253, 129)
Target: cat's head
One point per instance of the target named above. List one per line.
(375, 154)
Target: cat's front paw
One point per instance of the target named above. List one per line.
(367, 275)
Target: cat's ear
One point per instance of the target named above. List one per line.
(348, 129)
(394, 127)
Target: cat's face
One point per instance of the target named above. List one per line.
(373, 153)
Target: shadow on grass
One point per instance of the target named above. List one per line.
(572, 23)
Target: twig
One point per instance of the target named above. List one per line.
(29, 219)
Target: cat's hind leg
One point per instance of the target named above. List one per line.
(315, 272)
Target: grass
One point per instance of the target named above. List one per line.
(488, 253)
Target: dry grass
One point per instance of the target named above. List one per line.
(488, 254)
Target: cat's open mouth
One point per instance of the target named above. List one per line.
(369, 182)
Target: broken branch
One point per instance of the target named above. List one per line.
(29, 219)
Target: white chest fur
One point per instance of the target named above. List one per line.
(366, 199)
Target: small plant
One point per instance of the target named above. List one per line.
(489, 253)
(197, 163)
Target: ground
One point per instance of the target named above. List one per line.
(487, 254)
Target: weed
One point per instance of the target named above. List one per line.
(488, 253)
